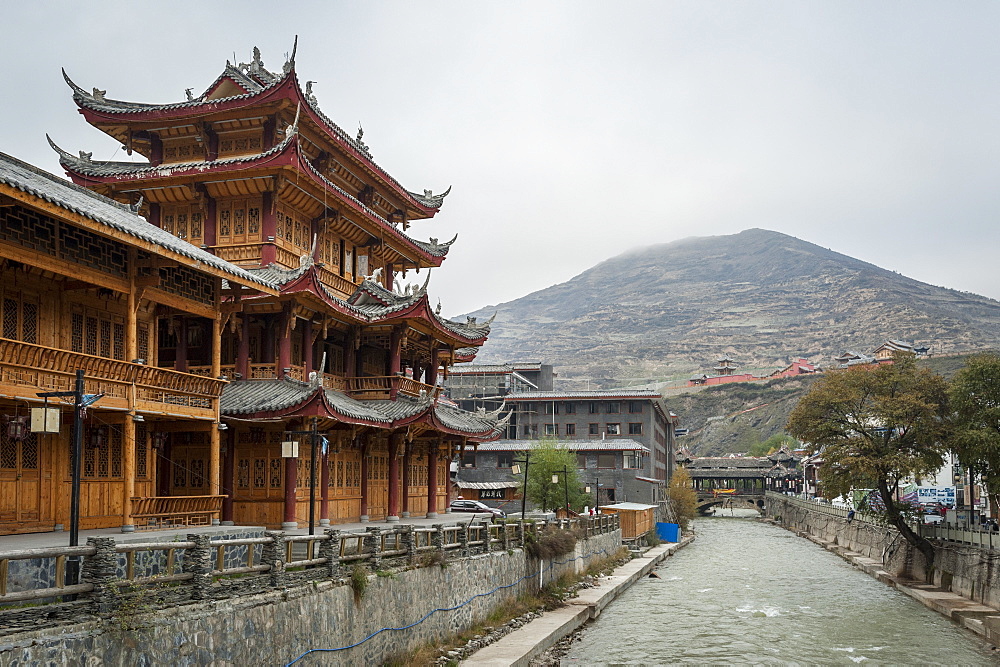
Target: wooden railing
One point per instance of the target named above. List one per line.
(198, 566)
(169, 511)
(383, 387)
(39, 368)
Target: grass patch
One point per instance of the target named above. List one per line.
(550, 543)
(359, 581)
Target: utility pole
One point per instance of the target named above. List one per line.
(516, 470)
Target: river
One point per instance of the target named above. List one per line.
(749, 592)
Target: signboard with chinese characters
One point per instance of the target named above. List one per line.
(932, 494)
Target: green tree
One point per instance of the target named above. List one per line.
(877, 426)
(975, 400)
(548, 459)
(682, 499)
(773, 444)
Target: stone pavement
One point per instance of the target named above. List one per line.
(52, 539)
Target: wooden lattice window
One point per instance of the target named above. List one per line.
(102, 453)
(260, 473)
(274, 479)
(329, 251)
(19, 319)
(141, 451)
(243, 474)
(184, 221)
(292, 230)
(182, 151)
(98, 333)
(239, 220)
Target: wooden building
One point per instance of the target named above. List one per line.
(287, 314)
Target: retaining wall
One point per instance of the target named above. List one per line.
(967, 570)
(275, 627)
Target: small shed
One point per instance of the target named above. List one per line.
(636, 519)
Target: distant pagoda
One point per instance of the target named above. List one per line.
(726, 366)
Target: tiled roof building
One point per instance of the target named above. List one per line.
(257, 253)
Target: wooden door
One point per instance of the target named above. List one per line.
(21, 507)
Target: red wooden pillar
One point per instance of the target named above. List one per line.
(350, 354)
(407, 454)
(324, 480)
(432, 480)
(364, 480)
(395, 363)
(284, 343)
(228, 483)
(243, 348)
(268, 228)
(307, 348)
(432, 369)
(291, 500)
(210, 235)
(395, 440)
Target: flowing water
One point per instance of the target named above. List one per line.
(748, 592)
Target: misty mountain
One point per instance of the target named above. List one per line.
(762, 297)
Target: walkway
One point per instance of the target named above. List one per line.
(61, 539)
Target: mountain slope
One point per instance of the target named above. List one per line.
(762, 296)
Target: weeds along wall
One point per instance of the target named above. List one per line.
(321, 622)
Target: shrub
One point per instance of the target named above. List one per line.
(359, 581)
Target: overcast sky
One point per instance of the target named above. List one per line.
(573, 131)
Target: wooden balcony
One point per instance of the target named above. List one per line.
(27, 369)
(388, 387)
(171, 511)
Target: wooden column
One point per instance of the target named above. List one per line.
(128, 470)
(324, 481)
(432, 369)
(268, 227)
(285, 342)
(432, 477)
(228, 481)
(395, 350)
(243, 348)
(364, 479)
(307, 348)
(211, 235)
(217, 345)
(214, 458)
(407, 455)
(267, 339)
(291, 473)
(350, 354)
(395, 442)
(181, 360)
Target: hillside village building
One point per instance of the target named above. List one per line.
(475, 386)
(237, 289)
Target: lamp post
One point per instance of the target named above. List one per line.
(80, 403)
(555, 480)
(312, 433)
(516, 469)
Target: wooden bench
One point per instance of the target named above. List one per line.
(169, 511)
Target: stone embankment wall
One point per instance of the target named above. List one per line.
(403, 609)
(964, 569)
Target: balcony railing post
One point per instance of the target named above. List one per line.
(330, 550)
(273, 554)
(100, 570)
(409, 538)
(373, 545)
(437, 539)
(487, 547)
(198, 561)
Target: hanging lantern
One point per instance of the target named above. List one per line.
(159, 440)
(17, 427)
(98, 436)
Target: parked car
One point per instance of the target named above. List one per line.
(478, 508)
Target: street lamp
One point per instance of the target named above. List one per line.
(555, 480)
(516, 469)
(313, 437)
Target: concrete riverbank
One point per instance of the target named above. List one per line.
(520, 646)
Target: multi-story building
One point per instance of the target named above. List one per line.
(238, 290)
(633, 415)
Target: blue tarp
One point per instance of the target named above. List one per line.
(668, 532)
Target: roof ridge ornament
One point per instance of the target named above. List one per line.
(437, 308)
(294, 127)
(99, 94)
(375, 275)
(290, 61)
(310, 97)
